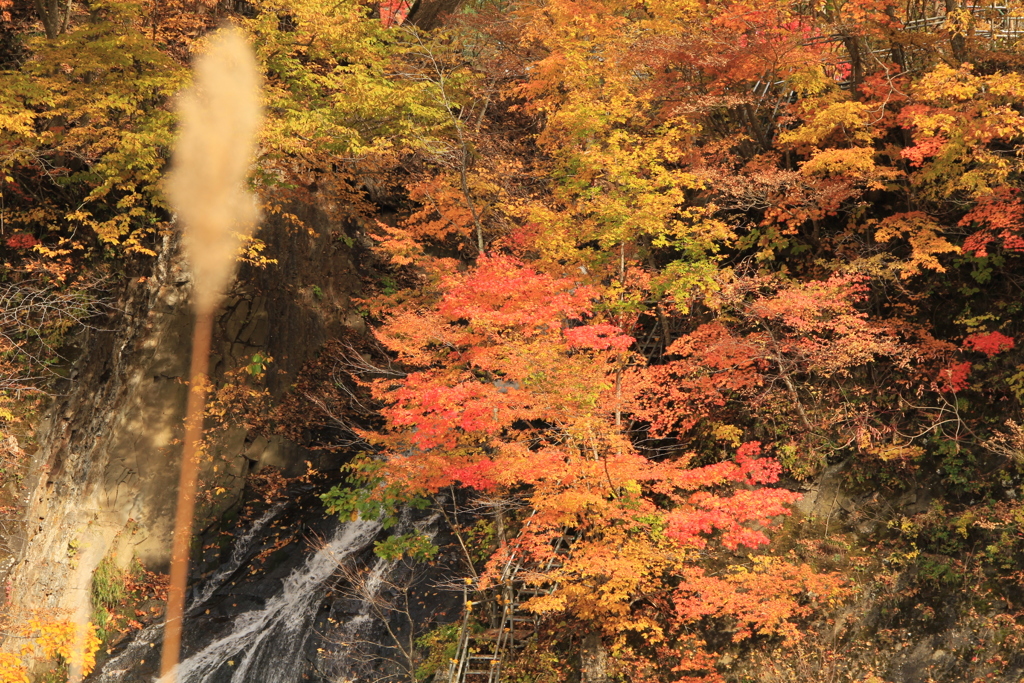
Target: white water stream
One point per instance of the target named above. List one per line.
(264, 645)
(239, 553)
(284, 621)
(355, 631)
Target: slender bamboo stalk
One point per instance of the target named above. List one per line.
(187, 491)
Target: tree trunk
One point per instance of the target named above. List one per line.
(957, 41)
(856, 65)
(429, 14)
(594, 667)
(896, 52)
(54, 15)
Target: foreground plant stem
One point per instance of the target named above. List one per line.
(187, 492)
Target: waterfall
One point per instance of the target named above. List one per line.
(264, 645)
(144, 643)
(239, 554)
(358, 630)
(268, 644)
(370, 648)
(275, 632)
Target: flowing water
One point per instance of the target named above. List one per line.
(242, 655)
(297, 621)
(239, 554)
(266, 644)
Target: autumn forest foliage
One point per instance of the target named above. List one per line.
(644, 271)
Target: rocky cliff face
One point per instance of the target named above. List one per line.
(106, 453)
(104, 477)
